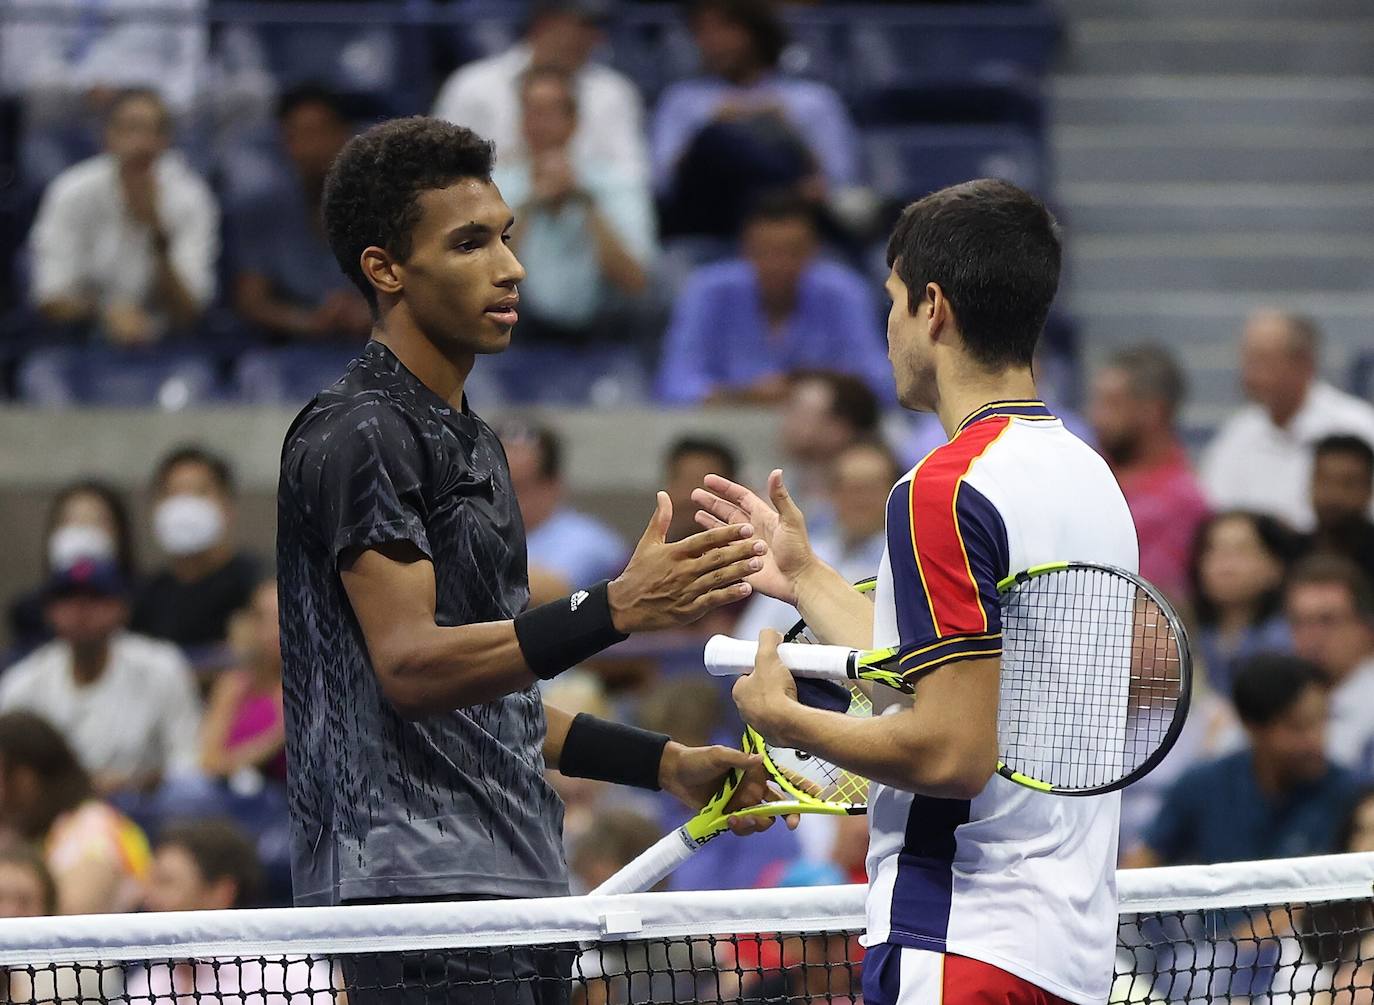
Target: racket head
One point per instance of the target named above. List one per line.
(1096, 678)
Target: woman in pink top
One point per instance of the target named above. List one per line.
(243, 728)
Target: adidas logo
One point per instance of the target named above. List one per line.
(577, 599)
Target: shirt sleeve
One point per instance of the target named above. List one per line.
(56, 245)
(181, 726)
(195, 241)
(362, 484)
(683, 377)
(947, 545)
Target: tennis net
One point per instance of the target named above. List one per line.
(1296, 931)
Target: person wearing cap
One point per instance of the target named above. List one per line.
(485, 95)
(127, 704)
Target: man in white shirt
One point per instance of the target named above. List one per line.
(979, 890)
(484, 95)
(1330, 609)
(1261, 459)
(126, 704)
(128, 239)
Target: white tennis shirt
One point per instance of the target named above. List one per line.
(1018, 879)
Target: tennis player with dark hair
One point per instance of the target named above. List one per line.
(416, 737)
(980, 889)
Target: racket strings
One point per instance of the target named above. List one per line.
(817, 778)
(1092, 676)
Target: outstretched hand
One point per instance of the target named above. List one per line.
(669, 585)
(779, 523)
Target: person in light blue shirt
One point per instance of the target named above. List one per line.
(742, 326)
(740, 42)
(566, 548)
(720, 140)
(584, 230)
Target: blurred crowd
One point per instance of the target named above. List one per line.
(141, 696)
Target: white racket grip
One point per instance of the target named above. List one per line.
(727, 657)
(644, 873)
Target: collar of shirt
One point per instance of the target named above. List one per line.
(1029, 409)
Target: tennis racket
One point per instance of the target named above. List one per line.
(1096, 676)
(807, 784)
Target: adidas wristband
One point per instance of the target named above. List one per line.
(612, 752)
(564, 632)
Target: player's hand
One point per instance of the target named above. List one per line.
(764, 696)
(670, 585)
(780, 524)
(695, 774)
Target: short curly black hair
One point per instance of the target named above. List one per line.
(371, 193)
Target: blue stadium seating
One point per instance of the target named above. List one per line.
(290, 375)
(910, 161)
(158, 376)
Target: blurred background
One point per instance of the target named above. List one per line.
(703, 193)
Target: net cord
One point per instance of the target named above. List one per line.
(325, 931)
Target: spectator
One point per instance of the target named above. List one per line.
(583, 228)
(97, 856)
(211, 865)
(567, 549)
(823, 413)
(126, 704)
(244, 730)
(1133, 406)
(863, 476)
(127, 240)
(1342, 489)
(1278, 798)
(720, 140)
(286, 280)
(1330, 609)
(690, 460)
(1261, 458)
(206, 579)
(1357, 831)
(619, 838)
(1238, 564)
(27, 889)
(740, 328)
(203, 865)
(562, 35)
(87, 519)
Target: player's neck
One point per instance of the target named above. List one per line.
(966, 392)
(441, 372)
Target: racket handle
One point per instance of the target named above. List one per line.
(727, 657)
(656, 862)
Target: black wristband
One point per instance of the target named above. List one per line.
(612, 752)
(564, 632)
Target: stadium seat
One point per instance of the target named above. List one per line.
(158, 376)
(291, 375)
(908, 162)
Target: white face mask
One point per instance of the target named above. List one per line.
(187, 524)
(76, 541)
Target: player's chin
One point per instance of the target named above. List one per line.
(496, 333)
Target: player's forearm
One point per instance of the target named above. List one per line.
(436, 670)
(898, 749)
(837, 613)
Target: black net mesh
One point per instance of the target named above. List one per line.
(1303, 953)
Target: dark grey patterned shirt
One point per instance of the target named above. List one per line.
(453, 804)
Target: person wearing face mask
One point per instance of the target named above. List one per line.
(87, 519)
(206, 580)
(125, 703)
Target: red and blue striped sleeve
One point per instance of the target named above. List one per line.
(947, 545)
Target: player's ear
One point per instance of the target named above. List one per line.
(381, 270)
(938, 315)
